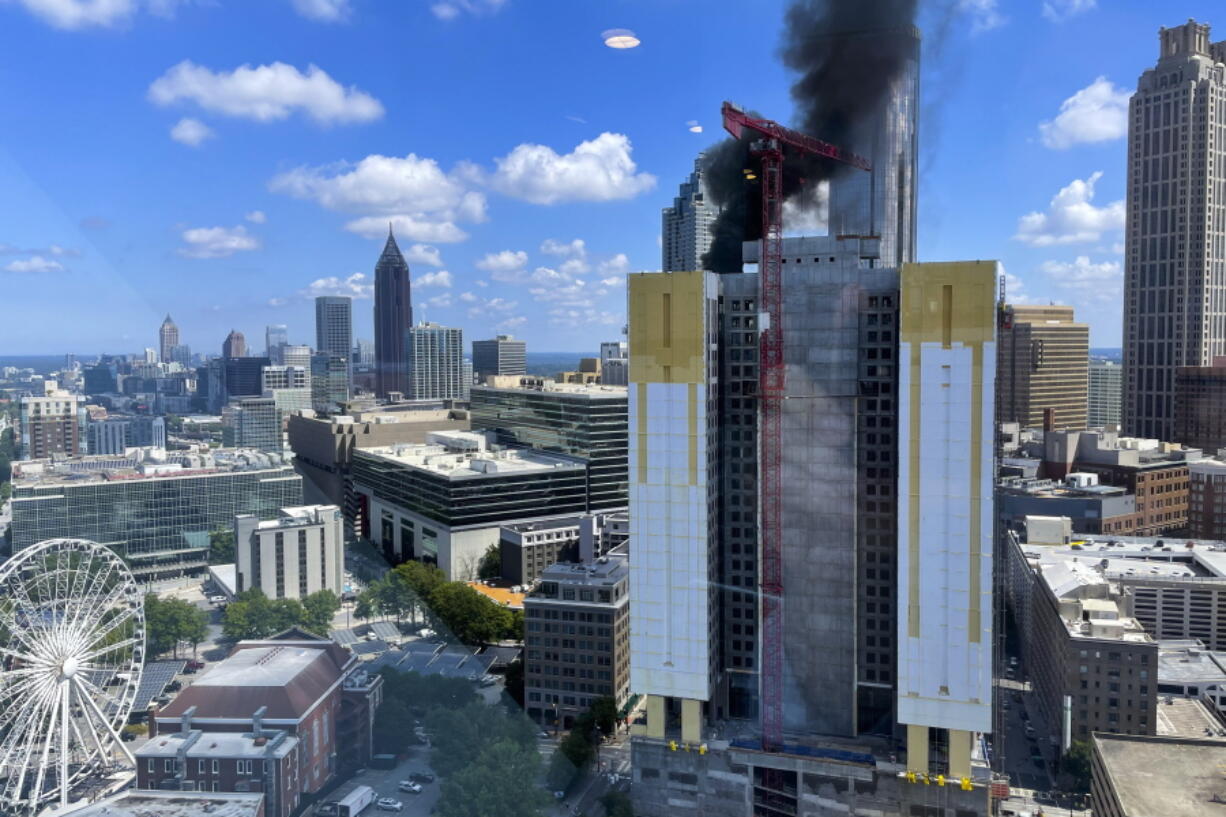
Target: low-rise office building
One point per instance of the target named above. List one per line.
(525, 549)
(577, 639)
(323, 446)
(444, 502)
(1092, 508)
(252, 422)
(300, 552)
(1092, 664)
(154, 508)
(1134, 776)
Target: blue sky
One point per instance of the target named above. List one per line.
(223, 161)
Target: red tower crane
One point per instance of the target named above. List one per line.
(775, 138)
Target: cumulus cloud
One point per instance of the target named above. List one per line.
(440, 300)
(217, 242)
(256, 217)
(576, 248)
(511, 323)
(600, 169)
(423, 254)
(1083, 274)
(451, 9)
(1096, 113)
(1071, 218)
(422, 202)
(503, 261)
(278, 301)
(265, 93)
(482, 307)
(1060, 10)
(75, 14)
(35, 263)
(617, 265)
(985, 14)
(324, 11)
(191, 132)
(353, 286)
(437, 278)
(573, 318)
(468, 297)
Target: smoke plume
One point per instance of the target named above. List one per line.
(847, 55)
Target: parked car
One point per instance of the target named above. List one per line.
(194, 665)
(388, 804)
(410, 786)
(422, 777)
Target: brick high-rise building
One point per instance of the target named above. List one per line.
(1042, 364)
(235, 345)
(52, 424)
(1175, 246)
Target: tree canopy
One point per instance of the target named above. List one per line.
(254, 615)
(491, 564)
(170, 621)
(221, 547)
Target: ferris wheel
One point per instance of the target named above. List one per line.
(72, 641)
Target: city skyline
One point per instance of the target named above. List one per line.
(294, 189)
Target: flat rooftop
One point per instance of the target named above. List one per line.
(1187, 718)
(604, 572)
(502, 595)
(141, 803)
(595, 391)
(298, 516)
(144, 464)
(1188, 662)
(216, 744)
(260, 667)
(1167, 558)
(1164, 777)
(447, 461)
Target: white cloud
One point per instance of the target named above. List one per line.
(468, 297)
(1060, 10)
(354, 286)
(597, 170)
(266, 93)
(617, 265)
(806, 213)
(423, 254)
(504, 261)
(512, 323)
(438, 278)
(984, 14)
(1118, 248)
(35, 263)
(72, 14)
(451, 9)
(422, 202)
(256, 217)
(1071, 218)
(487, 305)
(277, 301)
(1096, 113)
(440, 300)
(217, 242)
(613, 281)
(573, 318)
(574, 249)
(325, 11)
(1083, 274)
(191, 132)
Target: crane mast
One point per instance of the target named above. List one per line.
(770, 150)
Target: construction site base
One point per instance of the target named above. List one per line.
(672, 779)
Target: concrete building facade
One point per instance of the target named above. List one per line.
(1104, 394)
(435, 359)
(1200, 405)
(52, 424)
(252, 422)
(168, 338)
(300, 552)
(502, 355)
(1042, 366)
(1175, 241)
(577, 639)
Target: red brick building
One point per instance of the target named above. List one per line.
(1207, 500)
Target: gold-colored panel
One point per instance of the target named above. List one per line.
(972, 303)
(667, 327)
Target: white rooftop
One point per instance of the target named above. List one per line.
(457, 460)
(251, 667)
(216, 744)
(140, 803)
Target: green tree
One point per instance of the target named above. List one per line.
(616, 804)
(604, 713)
(221, 547)
(169, 621)
(1075, 767)
(319, 608)
(393, 727)
(283, 614)
(497, 782)
(6, 491)
(491, 564)
(470, 616)
(366, 606)
(515, 682)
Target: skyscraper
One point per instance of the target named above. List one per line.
(1175, 246)
(52, 424)
(502, 355)
(1042, 364)
(435, 363)
(168, 338)
(393, 319)
(334, 325)
(276, 335)
(685, 228)
(235, 345)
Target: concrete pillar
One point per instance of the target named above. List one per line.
(917, 748)
(691, 720)
(655, 716)
(960, 744)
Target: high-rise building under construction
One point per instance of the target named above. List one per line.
(885, 549)
(685, 228)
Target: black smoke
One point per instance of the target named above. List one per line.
(847, 54)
